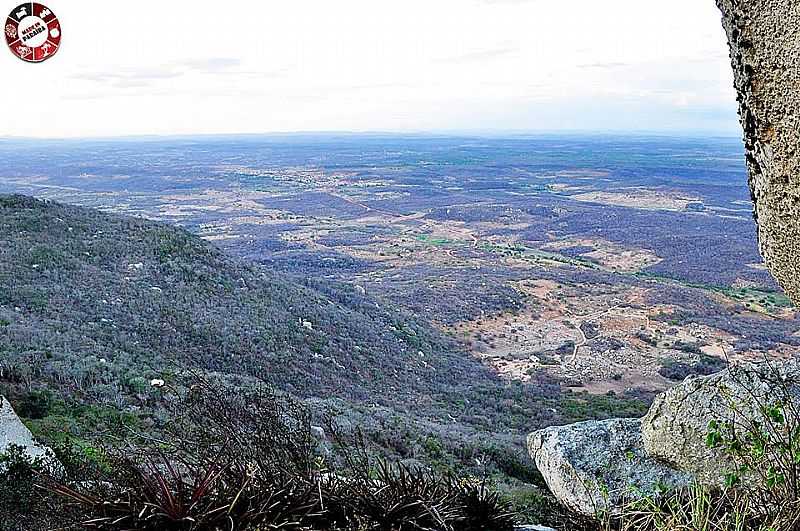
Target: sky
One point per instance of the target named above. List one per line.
(483, 66)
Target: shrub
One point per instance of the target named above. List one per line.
(35, 405)
(23, 505)
(705, 365)
(765, 450)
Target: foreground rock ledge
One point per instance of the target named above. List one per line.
(764, 38)
(593, 467)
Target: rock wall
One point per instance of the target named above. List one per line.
(764, 38)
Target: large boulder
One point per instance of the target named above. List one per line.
(596, 466)
(764, 38)
(14, 433)
(676, 427)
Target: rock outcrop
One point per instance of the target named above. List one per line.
(677, 424)
(14, 433)
(596, 466)
(764, 38)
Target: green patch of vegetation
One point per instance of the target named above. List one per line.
(49, 257)
(425, 238)
(66, 422)
(588, 406)
(63, 423)
(753, 299)
(756, 299)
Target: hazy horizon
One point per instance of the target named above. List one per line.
(467, 134)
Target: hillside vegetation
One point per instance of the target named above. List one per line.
(100, 304)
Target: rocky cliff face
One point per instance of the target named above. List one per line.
(764, 38)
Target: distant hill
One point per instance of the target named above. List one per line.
(94, 306)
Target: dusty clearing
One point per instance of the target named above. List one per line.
(641, 198)
(595, 340)
(609, 255)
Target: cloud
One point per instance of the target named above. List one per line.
(375, 65)
(479, 56)
(214, 64)
(142, 77)
(130, 83)
(135, 74)
(504, 2)
(604, 66)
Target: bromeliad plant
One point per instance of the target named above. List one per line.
(247, 461)
(172, 493)
(395, 496)
(375, 494)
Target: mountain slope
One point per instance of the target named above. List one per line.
(94, 301)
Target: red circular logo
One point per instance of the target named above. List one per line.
(33, 32)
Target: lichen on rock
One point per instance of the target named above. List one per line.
(676, 427)
(597, 466)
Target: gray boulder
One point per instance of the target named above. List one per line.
(596, 466)
(677, 425)
(764, 38)
(14, 433)
(318, 433)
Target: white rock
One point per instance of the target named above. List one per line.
(14, 433)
